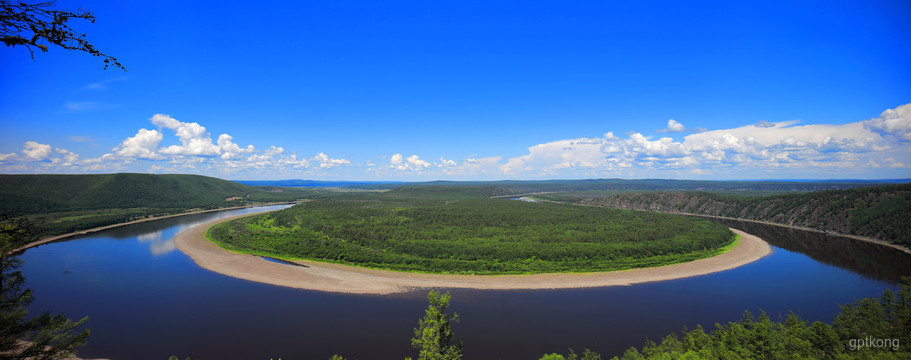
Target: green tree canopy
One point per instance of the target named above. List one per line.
(433, 338)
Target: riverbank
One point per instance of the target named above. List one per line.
(320, 276)
(88, 231)
(833, 233)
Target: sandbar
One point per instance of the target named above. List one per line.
(336, 278)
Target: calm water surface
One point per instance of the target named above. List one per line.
(147, 300)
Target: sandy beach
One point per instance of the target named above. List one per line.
(337, 278)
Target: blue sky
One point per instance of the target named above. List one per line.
(465, 90)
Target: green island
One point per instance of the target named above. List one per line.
(458, 229)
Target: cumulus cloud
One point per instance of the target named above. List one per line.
(230, 150)
(896, 122)
(882, 143)
(326, 162)
(673, 126)
(412, 163)
(66, 158)
(447, 163)
(562, 154)
(764, 145)
(143, 145)
(193, 137)
(33, 151)
(395, 160)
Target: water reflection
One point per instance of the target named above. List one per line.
(159, 234)
(871, 260)
(157, 246)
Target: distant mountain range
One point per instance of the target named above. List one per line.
(314, 183)
(30, 194)
(599, 184)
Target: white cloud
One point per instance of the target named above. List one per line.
(193, 137)
(446, 163)
(673, 126)
(274, 150)
(230, 150)
(764, 124)
(143, 145)
(395, 160)
(34, 151)
(563, 154)
(85, 106)
(326, 162)
(103, 85)
(412, 163)
(81, 139)
(895, 122)
(480, 166)
(764, 145)
(877, 146)
(68, 158)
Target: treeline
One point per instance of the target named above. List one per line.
(58, 204)
(879, 212)
(430, 231)
(31, 194)
(593, 185)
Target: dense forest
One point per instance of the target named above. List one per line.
(64, 203)
(450, 229)
(879, 212)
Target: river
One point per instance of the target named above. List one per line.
(147, 300)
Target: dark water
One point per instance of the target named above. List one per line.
(147, 300)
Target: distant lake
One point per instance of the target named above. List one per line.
(147, 300)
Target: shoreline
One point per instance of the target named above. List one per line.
(336, 278)
(833, 233)
(97, 229)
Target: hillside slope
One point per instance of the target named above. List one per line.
(880, 212)
(59, 204)
(30, 194)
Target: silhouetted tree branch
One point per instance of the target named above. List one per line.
(34, 25)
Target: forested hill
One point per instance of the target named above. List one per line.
(32, 194)
(880, 212)
(766, 187)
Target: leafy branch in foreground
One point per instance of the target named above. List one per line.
(433, 336)
(32, 25)
(43, 337)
